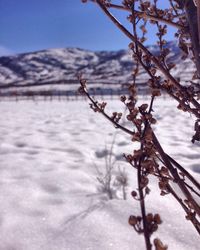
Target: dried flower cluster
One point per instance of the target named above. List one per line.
(150, 158)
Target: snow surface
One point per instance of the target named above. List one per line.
(50, 197)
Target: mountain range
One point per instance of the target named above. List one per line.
(60, 67)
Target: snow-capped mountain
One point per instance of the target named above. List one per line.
(61, 66)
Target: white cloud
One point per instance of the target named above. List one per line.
(5, 51)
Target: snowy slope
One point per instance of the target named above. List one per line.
(63, 65)
(50, 197)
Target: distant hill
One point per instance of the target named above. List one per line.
(103, 68)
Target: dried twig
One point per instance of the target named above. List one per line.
(147, 159)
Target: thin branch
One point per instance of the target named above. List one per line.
(144, 15)
(117, 125)
(192, 15)
(153, 58)
(192, 189)
(194, 221)
(184, 171)
(174, 173)
(164, 156)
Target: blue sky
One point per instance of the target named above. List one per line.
(31, 25)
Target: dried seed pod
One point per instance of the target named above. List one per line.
(149, 217)
(132, 220)
(144, 182)
(143, 107)
(123, 98)
(157, 219)
(156, 92)
(159, 245)
(134, 194)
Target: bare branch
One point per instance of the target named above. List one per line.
(153, 58)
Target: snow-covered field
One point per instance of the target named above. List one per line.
(50, 198)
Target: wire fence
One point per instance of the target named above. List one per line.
(69, 90)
